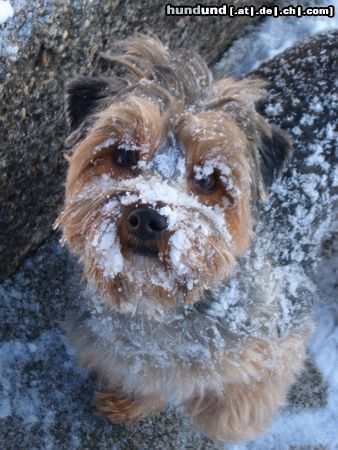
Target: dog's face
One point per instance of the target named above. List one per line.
(166, 171)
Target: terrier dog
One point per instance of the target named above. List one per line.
(167, 172)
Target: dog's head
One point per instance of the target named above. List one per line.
(167, 168)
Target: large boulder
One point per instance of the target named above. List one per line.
(45, 397)
(42, 46)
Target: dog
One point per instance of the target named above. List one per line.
(168, 171)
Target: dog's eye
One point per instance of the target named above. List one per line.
(123, 157)
(207, 183)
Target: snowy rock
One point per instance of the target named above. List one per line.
(303, 92)
(271, 37)
(41, 46)
(303, 100)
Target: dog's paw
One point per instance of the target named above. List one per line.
(123, 408)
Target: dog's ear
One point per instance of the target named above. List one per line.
(275, 150)
(82, 97)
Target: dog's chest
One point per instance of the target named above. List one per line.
(184, 338)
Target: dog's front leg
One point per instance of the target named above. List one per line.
(244, 409)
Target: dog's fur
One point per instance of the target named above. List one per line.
(168, 138)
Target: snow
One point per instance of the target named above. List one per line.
(107, 143)
(12, 50)
(108, 249)
(6, 11)
(18, 20)
(168, 159)
(191, 222)
(153, 190)
(178, 242)
(271, 37)
(44, 387)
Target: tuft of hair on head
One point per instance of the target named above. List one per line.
(183, 73)
(152, 71)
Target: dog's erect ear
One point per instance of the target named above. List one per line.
(275, 150)
(82, 97)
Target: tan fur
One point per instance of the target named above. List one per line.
(164, 93)
(119, 408)
(240, 400)
(245, 409)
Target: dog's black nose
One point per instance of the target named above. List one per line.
(146, 224)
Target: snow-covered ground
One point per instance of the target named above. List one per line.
(33, 350)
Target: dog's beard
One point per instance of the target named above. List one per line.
(195, 255)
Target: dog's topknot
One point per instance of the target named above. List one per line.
(182, 74)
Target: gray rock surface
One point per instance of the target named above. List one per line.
(46, 399)
(43, 45)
